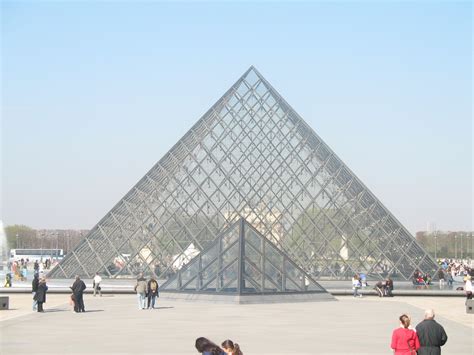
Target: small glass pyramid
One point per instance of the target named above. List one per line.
(242, 261)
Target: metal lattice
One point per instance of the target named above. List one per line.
(242, 261)
(250, 156)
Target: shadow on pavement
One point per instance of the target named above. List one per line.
(52, 310)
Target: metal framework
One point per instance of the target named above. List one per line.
(250, 156)
(242, 261)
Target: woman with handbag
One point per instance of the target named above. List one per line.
(404, 340)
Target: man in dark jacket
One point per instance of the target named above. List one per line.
(34, 288)
(40, 295)
(431, 335)
(78, 288)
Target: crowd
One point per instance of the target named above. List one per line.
(19, 269)
(452, 270)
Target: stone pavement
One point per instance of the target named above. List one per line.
(114, 325)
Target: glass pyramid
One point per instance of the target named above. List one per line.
(241, 260)
(250, 156)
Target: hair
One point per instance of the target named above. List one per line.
(429, 314)
(203, 344)
(405, 320)
(229, 344)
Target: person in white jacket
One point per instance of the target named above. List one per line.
(468, 288)
(96, 284)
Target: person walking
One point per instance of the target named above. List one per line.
(36, 267)
(468, 288)
(40, 295)
(141, 290)
(78, 288)
(441, 277)
(356, 285)
(404, 339)
(96, 284)
(152, 292)
(431, 335)
(34, 288)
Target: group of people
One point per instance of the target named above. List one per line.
(420, 278)
(384, 288)
(228, 347)
(426, 339)
(18, 270)
(147, 292)
(452, 270)
(39, 289)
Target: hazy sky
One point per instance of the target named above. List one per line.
(94, 93)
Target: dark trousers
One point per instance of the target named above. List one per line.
(151, 299)
(78, 303)
(40, 307)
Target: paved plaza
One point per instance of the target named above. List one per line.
(114, 325)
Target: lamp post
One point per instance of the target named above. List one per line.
(455, 246)
(17, 241)
(461, 246)
(436, 245)
(472, 247)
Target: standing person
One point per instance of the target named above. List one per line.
(40, 295)
(152, 292)
(34, 288)
(468, 288)
(356, 285)
(96, 284)
(431, 335)
(206, 347)
(404, 339)
(78, 288)
(24, 272)
(231, 348)
(141, 290)
(8, 280)
(441, 277)
(36, 267)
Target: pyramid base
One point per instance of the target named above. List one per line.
(248, 299)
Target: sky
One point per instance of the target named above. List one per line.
(94, 93)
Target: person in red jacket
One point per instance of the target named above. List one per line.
(404, 340)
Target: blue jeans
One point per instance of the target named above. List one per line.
(151, 301)
(35, 303)
(141, 300)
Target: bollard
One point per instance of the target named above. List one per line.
(470, 306)
(4, 302)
